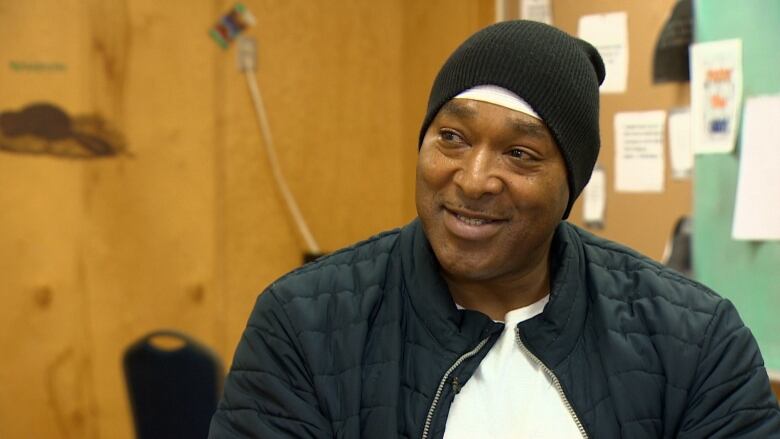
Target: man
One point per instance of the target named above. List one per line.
(489, 316)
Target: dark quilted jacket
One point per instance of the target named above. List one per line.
(356, 345)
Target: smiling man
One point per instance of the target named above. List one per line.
(490, 315)
(491, 189)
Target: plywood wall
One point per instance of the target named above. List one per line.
(46, 373)
(187, 227)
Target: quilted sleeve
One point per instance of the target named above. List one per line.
(730, 396)
(268, 391)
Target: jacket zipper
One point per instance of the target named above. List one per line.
(443, 381)
(554, 379)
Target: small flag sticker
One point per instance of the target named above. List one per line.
(231, 24)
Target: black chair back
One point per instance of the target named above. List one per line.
(173, 393)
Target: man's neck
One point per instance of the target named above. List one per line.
(496, 297)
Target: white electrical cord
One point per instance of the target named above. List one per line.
(247, 64)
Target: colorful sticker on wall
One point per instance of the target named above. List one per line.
(44, 128)
(716, 95)
(231, 24)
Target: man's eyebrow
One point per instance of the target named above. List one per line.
(457, 109)
(528, 128)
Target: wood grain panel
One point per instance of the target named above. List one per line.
(151, 215)
(329, 74)
(44, 314)
(46, 373)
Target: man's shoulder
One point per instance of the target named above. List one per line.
(348, 271)
(642, 306)
(630, 276)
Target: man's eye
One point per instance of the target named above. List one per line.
(450, 136)
(519, 154)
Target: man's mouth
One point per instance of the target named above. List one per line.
(471, 226)
(473, 221)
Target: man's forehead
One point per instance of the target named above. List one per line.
(459, 108)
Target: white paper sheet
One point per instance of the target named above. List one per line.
(716, 95)
(680, 152)
(757, 210)
(595, 199)
(639, 151)
(536, 10)
(609, 34)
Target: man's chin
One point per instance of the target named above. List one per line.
(468, 270)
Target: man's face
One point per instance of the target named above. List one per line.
(491, 188)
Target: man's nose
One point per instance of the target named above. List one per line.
(477, 174)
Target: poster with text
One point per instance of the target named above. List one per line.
(716, 95)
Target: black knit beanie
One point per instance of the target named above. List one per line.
(557, 74)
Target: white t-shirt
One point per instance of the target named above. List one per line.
(509, 395)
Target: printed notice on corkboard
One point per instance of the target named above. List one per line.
(536, 10)
(609, 34)
(639, 151)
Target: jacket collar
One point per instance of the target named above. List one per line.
(553, 334)
(550, 335)
(455, 330)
